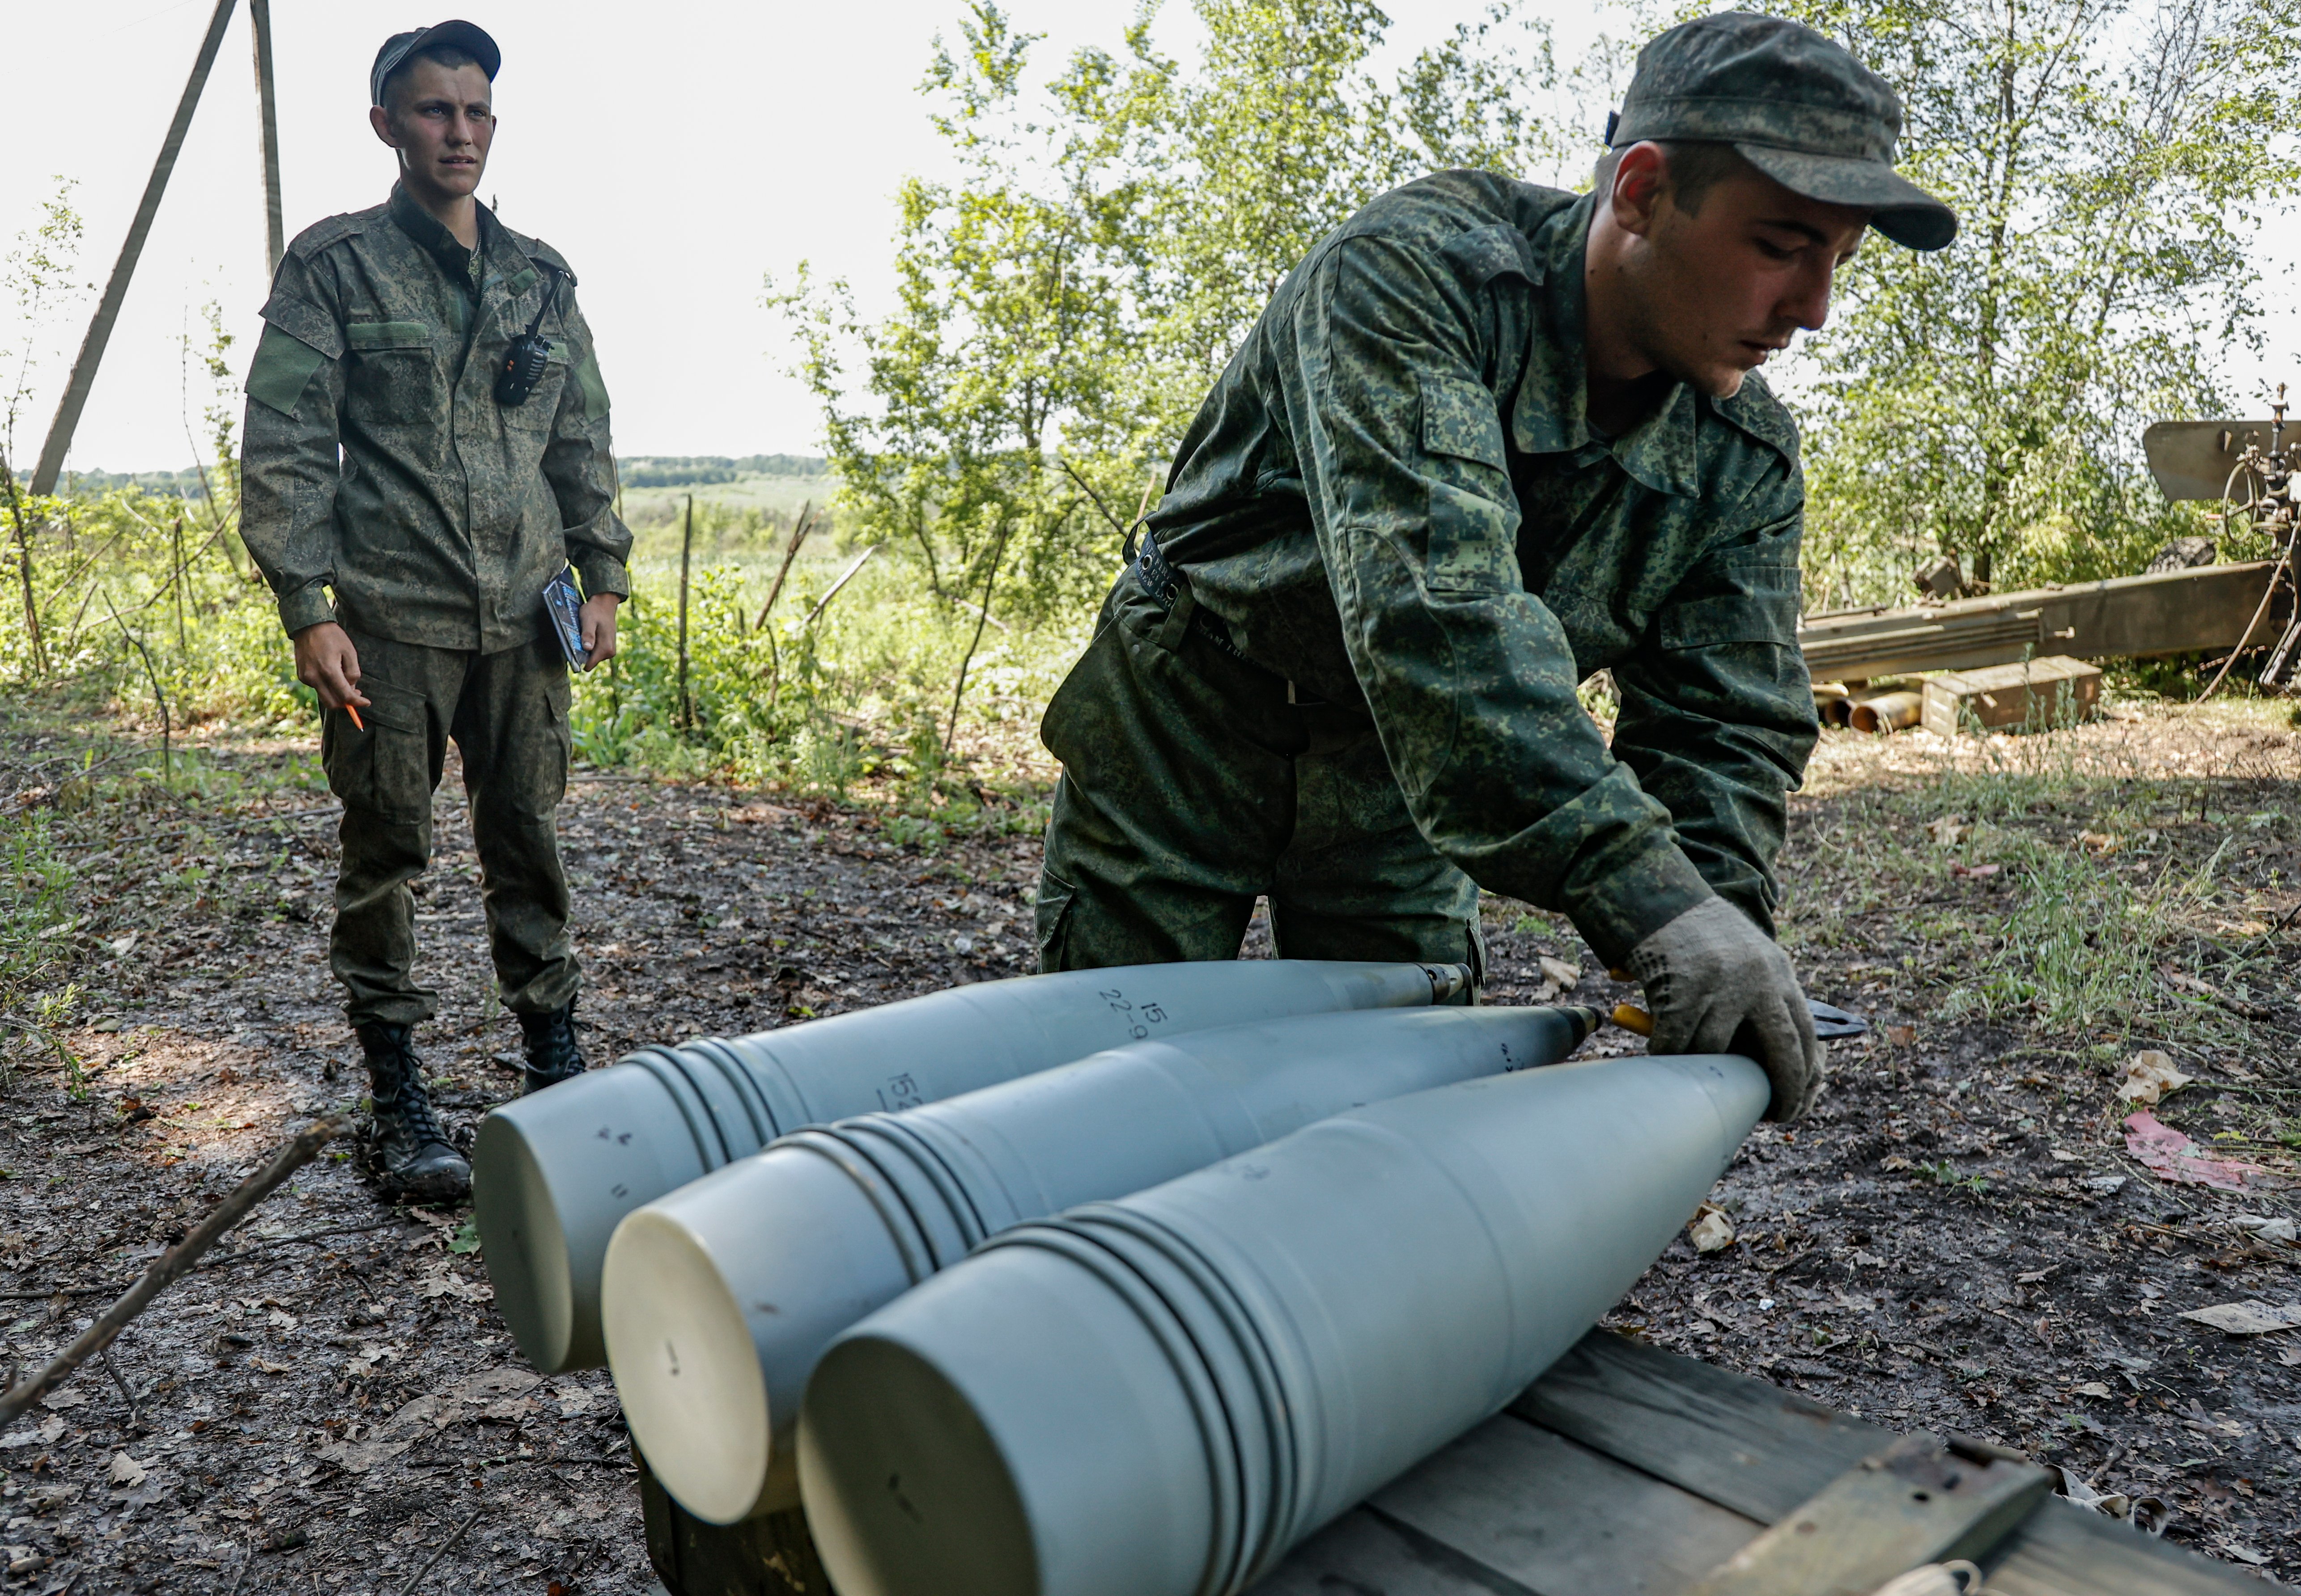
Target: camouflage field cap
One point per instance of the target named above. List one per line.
(467, 37)
(1796, 106)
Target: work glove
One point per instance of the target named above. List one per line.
(1715, 983)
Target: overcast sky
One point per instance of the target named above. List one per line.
(674, 151)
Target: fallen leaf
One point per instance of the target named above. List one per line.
(125, 1470)
(1896, 1162)
(2171, 1156)
(2062, 1155)
(1947, 832)
(488, 1384)
(268, 1367)
(2032, 1277)
(121, 947)
(281, 1319)
(1902, 1036)
(2094, 1388)
(1975, 872)
(2250, 1317)
(359, 1456)
(2261, 1227)
(2149, 1076)
(426, 1410)
(444, 1281)
(51, 1431)
(1709, 1232)
(2097, 842)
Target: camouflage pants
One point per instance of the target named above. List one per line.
(1190, 786)
(507, 713)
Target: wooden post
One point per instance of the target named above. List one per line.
(686, 550)
(183, 644)
(267, 102)
(107, 310)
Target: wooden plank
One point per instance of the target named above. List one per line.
(1748, 1446)
(1364, 1554)
(1919, 1503)
(1762, 1452)
(772, 1555)
(2064, 1550)
(2037, 694)
(1557, 1518)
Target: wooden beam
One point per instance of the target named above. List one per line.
(267, 103)
(107, 310)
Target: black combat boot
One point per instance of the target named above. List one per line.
(409, 1149)
(553, 1053)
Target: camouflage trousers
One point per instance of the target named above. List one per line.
(507, 714)
(1192, 785)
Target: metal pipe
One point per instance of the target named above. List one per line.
(552, 1175)
(1887, 712)
(718, 1299)
(1161, 1396)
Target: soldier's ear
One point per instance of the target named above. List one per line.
(379, 119)
(1641, 179)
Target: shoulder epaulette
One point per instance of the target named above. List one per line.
(334, 230)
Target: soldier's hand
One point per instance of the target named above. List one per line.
(327, 663)
(598, 620)
(1715, 983)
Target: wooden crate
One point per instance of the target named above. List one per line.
(2034, 696)
(1624, 1471)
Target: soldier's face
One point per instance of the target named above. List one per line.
(441, 120)
(1724, 287)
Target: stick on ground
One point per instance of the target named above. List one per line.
(170, 1264)
(444, 1546)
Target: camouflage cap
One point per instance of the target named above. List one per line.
(1796, 106)
(467, 37)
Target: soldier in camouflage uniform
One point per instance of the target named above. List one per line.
(383, 468)
(1487, 440)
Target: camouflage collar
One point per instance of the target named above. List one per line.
(1551, 414)
(433, 236)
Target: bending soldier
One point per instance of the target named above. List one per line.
(385, 465)
(1488, 439)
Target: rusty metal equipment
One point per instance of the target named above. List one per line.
(2251, 468)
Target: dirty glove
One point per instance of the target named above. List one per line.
(1715, 983)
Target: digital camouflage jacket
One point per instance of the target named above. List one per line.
(377, 461)
(1392, 495)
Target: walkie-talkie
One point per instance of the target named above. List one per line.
(529, 351)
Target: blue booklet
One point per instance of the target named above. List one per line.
(560, 598)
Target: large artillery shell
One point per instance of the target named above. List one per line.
(1160, 1396)
(718, 1299)
(552, 1175)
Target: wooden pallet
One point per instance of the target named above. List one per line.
(1624, 1471)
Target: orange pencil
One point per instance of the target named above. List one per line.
(353, 710)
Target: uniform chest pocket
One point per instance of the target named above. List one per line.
(393, 378)
(542, 405)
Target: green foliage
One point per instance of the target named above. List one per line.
(1066, 299)
(2108, 162)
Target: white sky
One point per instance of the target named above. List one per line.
(674, 152)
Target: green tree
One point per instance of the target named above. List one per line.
(2109, 163)
(1065, 300)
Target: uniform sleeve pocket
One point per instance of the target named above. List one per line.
(595, 388)
(282, 365)
(1461, 419)
(1731, 618)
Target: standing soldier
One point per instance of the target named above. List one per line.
(408, 498)
(1487, 441)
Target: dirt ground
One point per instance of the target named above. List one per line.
(1957, 1239)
